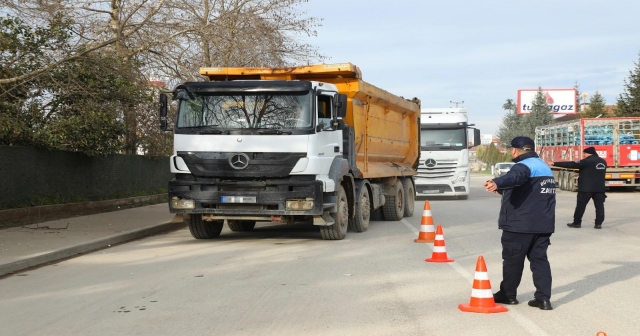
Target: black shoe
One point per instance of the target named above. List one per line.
(597, 226)
(572, 225)
(542, 304)
(499, 297)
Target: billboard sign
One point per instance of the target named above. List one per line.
(485, 139)
(561, 101)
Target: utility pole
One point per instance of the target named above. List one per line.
(460, 102)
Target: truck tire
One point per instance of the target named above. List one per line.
(240, 225)
(338, 230)
(409, 197)
(572, 183)
(360, 222)
(566, 181)
(204, 230)
(376, 214)
(393, 208)
(561, 180)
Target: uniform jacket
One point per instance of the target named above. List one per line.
(528, 196)
(592, 173)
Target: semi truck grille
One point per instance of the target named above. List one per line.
(441, 169)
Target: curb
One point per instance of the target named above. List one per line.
(90, 246)
(10, 214)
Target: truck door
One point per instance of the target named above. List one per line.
(329, 138)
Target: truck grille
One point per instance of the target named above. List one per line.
(218, 164)
(442, 169)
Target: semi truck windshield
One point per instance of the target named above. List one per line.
(443, 139)
(245, 110)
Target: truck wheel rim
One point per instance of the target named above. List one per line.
(365, 209)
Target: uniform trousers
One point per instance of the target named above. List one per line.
(581, 204)
(515, 247)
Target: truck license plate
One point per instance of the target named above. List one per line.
(238, 199)
(430, 192)
(614, 183)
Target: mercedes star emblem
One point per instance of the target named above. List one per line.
(430, 163)
(239, 161)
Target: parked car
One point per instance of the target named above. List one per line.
(502, 168)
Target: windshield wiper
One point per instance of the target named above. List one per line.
(214, 131)
(274, 131)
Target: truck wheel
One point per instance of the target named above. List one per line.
(376, 214)
(572, 183)
(393, 208)
(561, 180)
(360, 222)
(204, 230)
(338, 230)
(240, 225)
(409, 197)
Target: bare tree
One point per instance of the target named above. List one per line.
(171, 39)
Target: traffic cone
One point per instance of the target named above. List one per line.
(427, 230)
(439, 251)
(481, 295)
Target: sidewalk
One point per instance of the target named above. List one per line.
(37, 244)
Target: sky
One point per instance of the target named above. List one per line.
(481, 52)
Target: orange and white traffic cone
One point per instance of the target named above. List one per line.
(427, 230)
(439, 249)
(481, 295)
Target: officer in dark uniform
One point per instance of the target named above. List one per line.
(593, 169)
(527, 220)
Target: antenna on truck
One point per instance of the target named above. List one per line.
(453, 102)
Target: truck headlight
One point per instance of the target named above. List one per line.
(299, 205)
(177, 203)
(462, 176)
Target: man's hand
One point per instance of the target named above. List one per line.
(550, 163)
(491, 187)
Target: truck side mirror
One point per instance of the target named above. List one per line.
(341, 105)
(162, 111)
(476, 137)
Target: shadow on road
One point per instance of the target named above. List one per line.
(593, 282)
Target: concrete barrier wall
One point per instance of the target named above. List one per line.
(31, 176)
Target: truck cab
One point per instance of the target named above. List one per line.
(444, 153)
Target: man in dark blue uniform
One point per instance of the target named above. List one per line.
(527, 220)
(591, 178)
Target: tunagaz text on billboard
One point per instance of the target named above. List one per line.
(553, 108)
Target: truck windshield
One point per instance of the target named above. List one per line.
(244, 110)
(434, 139)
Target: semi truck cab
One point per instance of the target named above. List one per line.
(444, 152)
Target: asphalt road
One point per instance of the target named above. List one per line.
(285, 280)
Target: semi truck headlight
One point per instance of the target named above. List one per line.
(177, 203)
(299, 205)
(462, 177)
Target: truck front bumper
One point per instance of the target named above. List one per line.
(247, 198)
(441, 188)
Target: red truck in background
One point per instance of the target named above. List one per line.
(617, 140)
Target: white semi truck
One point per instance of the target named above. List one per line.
(444, 152)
